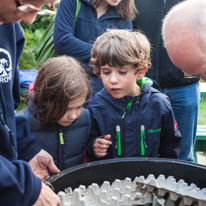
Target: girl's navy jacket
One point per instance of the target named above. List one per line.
(65, 144)
(148, 128)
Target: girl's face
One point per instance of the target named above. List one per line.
(113, 2)
(74, 109)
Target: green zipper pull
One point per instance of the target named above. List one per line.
(61, 138)
(142, 140)
(118, 136)
(130, 103)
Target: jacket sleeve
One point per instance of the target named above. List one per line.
(20, 39)
(170, 140)
(65, 43)
(95, 133)
(17, 178)
(27, 148)
(92, 137)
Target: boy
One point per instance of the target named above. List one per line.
(134, 121)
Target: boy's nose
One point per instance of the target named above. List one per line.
(113, 79)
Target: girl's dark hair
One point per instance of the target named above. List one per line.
(126, 8)
(60, 80)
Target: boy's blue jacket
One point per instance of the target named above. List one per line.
(151, 109)
(18, 185)
(77, 39)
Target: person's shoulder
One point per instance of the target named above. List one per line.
(158, 97)
(24, 112)
(85, 114)
(99, 99)
(94, 102)
(11, 29)
(29, 115)
(84, 118)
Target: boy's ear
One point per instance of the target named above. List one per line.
(141, 73)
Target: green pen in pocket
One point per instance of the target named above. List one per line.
(142, 140)
(118, 136)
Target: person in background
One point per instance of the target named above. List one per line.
(95, 17)
(18, 183)
(56, 114)
(129, 120)
(184, 94)
(184, 35)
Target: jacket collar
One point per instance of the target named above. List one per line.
(123, 102)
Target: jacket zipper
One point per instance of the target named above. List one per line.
(164, 7)
(3, 119)
(143, 143)
(129, 105)
(61, 141)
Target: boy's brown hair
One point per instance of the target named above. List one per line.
(60, 80)
(119, 48)
(126, 8)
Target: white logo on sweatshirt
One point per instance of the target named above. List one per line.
(5, 66)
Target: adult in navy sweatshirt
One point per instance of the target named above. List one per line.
(18, 184)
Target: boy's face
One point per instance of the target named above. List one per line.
(120, 81)
(74, 109)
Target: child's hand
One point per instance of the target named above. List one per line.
(101, 145)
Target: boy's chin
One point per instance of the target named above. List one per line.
(117, 96)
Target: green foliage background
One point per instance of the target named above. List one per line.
(33, 33)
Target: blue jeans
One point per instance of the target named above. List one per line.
(185, 101)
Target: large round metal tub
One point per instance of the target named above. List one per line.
(109, 170)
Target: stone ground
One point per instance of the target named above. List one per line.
(201, 158)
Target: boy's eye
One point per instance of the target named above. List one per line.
(106, 72)
(122, 72)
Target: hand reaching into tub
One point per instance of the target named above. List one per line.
(47, 197)
(101, 145)
(40, 163)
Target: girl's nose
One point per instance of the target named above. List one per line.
(72, 115)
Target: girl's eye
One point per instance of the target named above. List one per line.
(80, 107)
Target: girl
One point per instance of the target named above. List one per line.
(56, 114)
(95, 17)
